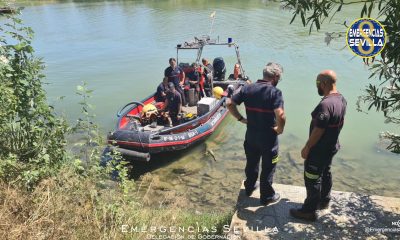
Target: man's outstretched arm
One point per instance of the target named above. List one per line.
(234, 111)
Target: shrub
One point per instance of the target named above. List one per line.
(31, 135)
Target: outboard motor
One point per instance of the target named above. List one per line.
(219, 69)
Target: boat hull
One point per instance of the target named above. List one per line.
(136, 143)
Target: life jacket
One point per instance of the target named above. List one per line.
(201, 82)
(236, 71)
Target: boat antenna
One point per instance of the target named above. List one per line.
(212, 16)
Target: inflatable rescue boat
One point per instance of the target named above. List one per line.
(143, 130)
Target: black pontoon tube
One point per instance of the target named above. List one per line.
(144, 157)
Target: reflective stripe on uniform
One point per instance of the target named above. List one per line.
(275, 159)
(311, 176)
(262, 110)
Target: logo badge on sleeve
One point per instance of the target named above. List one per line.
(321, 116)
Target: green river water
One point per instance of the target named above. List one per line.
(121, 49)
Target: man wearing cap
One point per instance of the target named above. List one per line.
(322, 145)
(176, 75)
(265, 121)
(173, 104)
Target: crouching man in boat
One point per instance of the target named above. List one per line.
(265, 121)
(161, 93)
(173, 104)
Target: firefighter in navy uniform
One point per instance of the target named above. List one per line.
(161, 92)
(265, 121)
(177, 76)
(322, 145)
(173, 104)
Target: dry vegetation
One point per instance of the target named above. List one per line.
(70, 206)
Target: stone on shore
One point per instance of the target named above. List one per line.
(350, 216)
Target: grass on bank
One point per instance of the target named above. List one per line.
(72, 206)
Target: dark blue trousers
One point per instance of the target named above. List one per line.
(269, 157)
(317, 178)
(181, 92)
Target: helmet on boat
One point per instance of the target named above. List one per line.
(148, 115)
(148, 110)
(218, 92)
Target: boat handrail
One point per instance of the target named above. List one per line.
(119, 114)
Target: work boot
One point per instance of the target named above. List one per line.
(301, 214)
(250, 191)
(323, 205)
(270, 200)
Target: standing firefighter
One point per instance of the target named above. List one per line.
(177, 76)
(265, 121)
(322, 145)
(208, 77)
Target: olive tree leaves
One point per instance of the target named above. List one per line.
(383, 96)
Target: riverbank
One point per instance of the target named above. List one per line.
(350, 216)
(74, 206)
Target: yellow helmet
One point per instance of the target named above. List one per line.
(218, 92)
(148, 110)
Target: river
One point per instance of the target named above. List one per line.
(121, 48)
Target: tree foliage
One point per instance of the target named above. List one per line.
(383, 96)
(31, 135)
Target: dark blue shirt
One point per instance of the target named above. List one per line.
(159, 94)
(194, 76)
(174, 102)
(329, 115)
(260, 99)
(173, 75)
